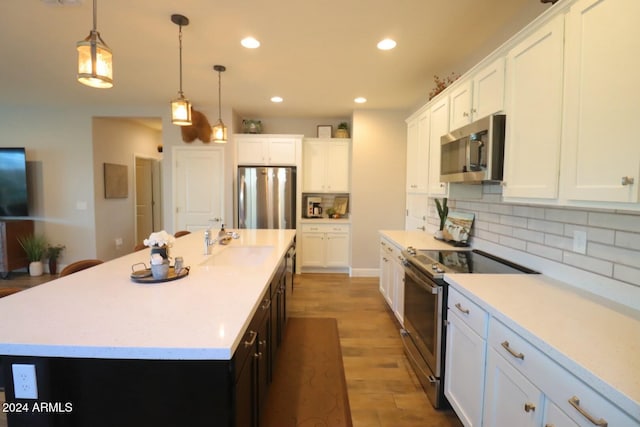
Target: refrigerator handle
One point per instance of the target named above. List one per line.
(241, 201)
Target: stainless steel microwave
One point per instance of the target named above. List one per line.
(475, 152)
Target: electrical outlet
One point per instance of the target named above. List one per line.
(580, 241)
(25, 385)
(118, 242)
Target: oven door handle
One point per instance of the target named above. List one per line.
(422, 282)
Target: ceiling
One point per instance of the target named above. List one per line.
(316, 54)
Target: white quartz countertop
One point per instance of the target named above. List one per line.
(596, 340)
(102, 313)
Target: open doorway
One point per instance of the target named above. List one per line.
(148, 197)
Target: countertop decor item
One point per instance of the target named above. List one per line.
(442, 84)
(443, 212)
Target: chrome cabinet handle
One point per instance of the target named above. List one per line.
(252, 341)
(627, 180)
(465, 114)
(511, 351)
(529, 407)
(575, 402)
(464, 310)
(423, 228)
(266, 304)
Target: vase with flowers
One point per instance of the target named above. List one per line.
(159, 242)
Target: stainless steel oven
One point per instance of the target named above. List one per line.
(425, 308)
(422, 334)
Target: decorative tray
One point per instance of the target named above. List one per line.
(145, 276)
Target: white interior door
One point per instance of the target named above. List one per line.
(198, 187)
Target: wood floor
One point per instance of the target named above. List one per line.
(383, 390)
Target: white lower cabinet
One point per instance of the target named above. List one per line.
(392, 277)
(510, 399)
(519, 385)
(325, 245)
(554, 417)
(466, 353)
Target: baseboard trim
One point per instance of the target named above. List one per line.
(365, 272)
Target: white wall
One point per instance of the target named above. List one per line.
(378, 172)
(117, 141)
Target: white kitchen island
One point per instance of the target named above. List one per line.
(150, 354)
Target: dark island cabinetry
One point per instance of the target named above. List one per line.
(164, 393)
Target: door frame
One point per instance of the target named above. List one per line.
(156, 192)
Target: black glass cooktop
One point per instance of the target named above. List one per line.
(474, 261)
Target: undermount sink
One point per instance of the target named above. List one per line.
(239, 256)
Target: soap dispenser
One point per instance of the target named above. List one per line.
(222, 233)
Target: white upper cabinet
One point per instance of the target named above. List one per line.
(534, 113)
(461, 98)
(439, 126)
(266, 150)
(601, 152)
(418, 153)
(325, 165)
(479, 97)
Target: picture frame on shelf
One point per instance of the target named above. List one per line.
(325, 131)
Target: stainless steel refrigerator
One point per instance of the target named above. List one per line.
(266, 197)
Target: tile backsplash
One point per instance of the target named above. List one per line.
(613, 237)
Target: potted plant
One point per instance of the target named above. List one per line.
(53, 253)
(331, 213)
(35, 246)
(343, 130)
(443, 212)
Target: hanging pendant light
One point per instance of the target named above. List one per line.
(95, 66)
(180, 107)
(219, 131)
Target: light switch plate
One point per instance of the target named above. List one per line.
(580, 241)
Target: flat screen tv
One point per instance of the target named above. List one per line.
(13, 182)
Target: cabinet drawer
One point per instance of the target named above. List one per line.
(390, 249)
(474, 316)
(571, 394)
(325, 228)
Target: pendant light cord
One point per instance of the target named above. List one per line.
(180, 40)
(95, 16)
(219, 98)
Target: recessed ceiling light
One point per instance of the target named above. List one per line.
(386, 44)
(360, 100)
(276, 99)
(250, 43)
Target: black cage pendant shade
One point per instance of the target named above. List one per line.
(180, 107)
(219, 131)
(95, 60)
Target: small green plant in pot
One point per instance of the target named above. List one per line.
(343, 130)
(53, 253)
(35, 247)
(443, 212)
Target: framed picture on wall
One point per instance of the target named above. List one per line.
(115, 181)
(325, 131)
